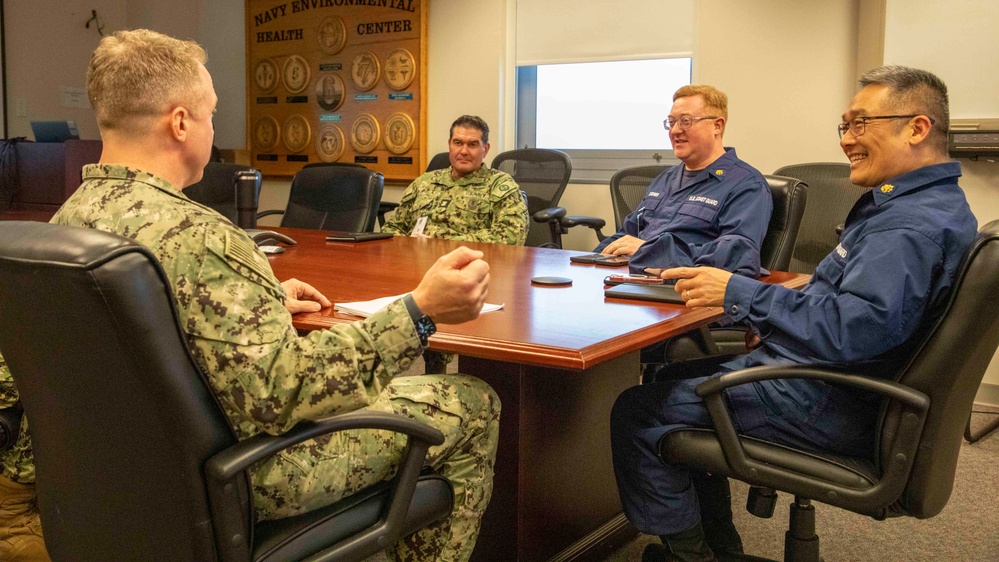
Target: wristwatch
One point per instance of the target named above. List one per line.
(424, 325)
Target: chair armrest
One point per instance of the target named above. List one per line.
(900, 458)
(550, 214)
(269, 212)
(239, 457)
(595, 223)
(387, 206)
(225, 467)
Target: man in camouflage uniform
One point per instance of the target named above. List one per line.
(154, 102)
(20, 528)
(466, 201)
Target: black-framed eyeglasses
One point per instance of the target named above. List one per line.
(858, 126)
(684, 122)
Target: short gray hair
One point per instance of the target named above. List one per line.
(915, 91)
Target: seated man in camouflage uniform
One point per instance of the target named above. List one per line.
(466, 201)
(154, 102)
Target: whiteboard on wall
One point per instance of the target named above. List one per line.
(956, 40)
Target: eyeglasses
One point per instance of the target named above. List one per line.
(858, 126)
(684, 122)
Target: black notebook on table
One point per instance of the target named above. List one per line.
(642, 292)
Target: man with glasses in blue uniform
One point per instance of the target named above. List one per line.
(863, 310)
(711, 210)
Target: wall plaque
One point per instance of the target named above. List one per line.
(337, 81)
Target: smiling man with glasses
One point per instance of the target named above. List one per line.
(863, 311)
(711, 210)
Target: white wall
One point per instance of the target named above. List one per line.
(48, 49)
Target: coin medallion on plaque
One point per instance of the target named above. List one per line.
(297, 133)
(329, 92)
(265, 75)
(295, 73)
(332, 34)
(266, 133)
(400, 68)
(399, 133)
(364, 133)
(329, 143)
(365, 70)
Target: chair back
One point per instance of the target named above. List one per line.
(789, 197)
(628, 187)
(542, 175)
(122, 419)
(830, 198)
(334, 197)
(231, 189)
(440, 161)
(948, 368)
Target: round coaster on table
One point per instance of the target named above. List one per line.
(551, 281)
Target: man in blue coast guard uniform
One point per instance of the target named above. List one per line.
(711, 210)
(863, 309)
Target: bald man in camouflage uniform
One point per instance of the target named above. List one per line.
(20, 527)
(466, 201)
(237, 316)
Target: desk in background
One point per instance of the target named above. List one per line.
(47, 174)
(557, 358)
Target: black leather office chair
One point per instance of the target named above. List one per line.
(542, 175)
(231, 189)
(627, 189)
(918, 437)
(135, 458)
(830, 198)
(333, 197)
(440, 161)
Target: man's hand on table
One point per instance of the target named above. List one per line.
(699, 286)
(302, 297)
(623, 246)
(454, 289)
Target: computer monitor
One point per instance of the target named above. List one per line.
(54, 131)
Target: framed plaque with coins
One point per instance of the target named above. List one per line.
(335, 81)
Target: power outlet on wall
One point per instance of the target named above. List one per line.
(21, 107)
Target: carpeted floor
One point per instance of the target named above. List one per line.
(966, 530)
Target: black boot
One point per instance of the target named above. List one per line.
(685, 546)
(715, 497)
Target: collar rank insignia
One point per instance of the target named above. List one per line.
(887, 188)
(719, 172)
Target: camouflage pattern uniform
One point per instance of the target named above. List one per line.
(20, 526)
(268, 378)
(484, 206)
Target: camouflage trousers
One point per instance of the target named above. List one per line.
(319, 472)
(20, 527)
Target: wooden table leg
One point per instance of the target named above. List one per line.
(555, 495)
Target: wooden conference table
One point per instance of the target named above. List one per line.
(557, 358)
